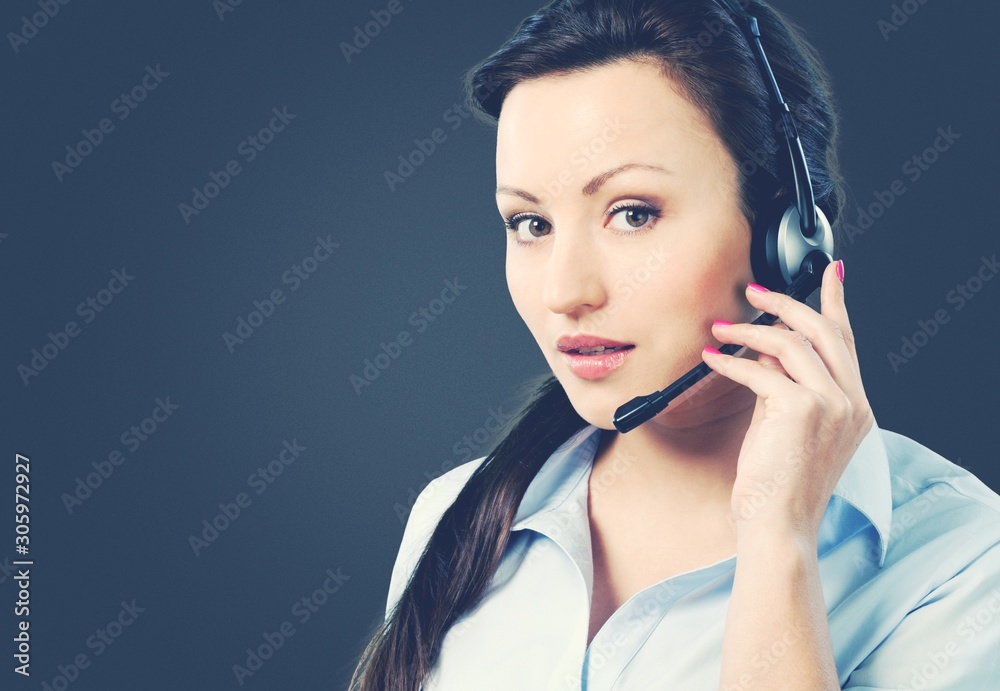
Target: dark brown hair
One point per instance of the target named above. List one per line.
(700, 48)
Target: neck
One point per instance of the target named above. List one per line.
(683, 460)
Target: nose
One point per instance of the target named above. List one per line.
(574, 282)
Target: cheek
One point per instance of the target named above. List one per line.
(709, 284)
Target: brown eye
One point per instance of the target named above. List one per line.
(637, 217)
(534, 227)
(537, 227)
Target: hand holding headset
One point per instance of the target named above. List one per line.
(790, 246)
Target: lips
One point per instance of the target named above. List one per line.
(586, 344)
(593, 357)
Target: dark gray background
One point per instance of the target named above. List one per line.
(342, 503)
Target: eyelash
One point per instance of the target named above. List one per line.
(511, 222)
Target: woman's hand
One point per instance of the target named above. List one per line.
(811, 412)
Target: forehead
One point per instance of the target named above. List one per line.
(585, 120)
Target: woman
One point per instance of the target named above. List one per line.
(761, 534)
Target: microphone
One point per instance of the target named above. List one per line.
(642, 408)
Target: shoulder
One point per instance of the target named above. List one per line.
(441, 492)
(940, 590)
(942, 513)
(424, 516)
(919, 472)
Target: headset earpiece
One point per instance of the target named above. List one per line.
(778, 245)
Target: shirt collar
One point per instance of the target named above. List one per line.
(864, 484)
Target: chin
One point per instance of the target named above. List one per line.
(598, 417)
(597, 408)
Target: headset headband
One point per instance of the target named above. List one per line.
(805, 200)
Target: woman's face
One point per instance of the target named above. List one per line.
(628, 204)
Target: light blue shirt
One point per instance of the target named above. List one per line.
(909, 560)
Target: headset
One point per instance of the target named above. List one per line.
(790, 247)
(783, 234)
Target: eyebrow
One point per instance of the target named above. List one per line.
(591, 187)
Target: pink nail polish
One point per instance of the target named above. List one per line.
(840, 270)
(710, 349)
(759, 288)
(720, 322)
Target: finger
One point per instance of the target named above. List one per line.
(821, 331)
(834, 307)
(763, 358)
(792, 349)
(774, 363)
(766, 382)
(771, 361)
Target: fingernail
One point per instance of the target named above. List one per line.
(710, 349)
(840, 270)
(759, 288)
(720, 322)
